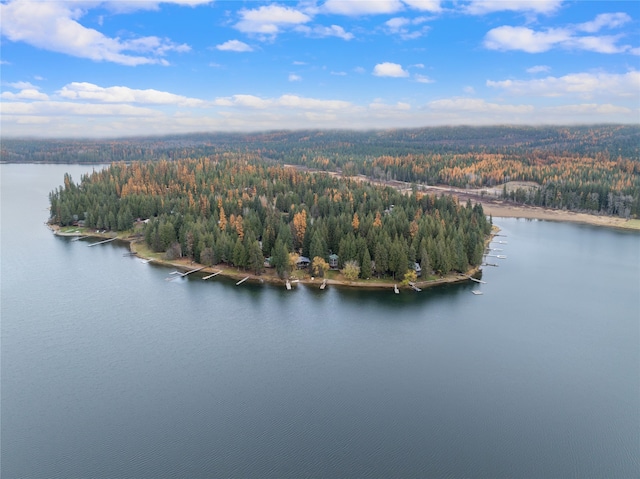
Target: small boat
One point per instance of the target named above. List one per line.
(501, 256)
(395, 289)
(475, 291)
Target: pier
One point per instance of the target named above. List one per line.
(288, 285)
(324, 284)
(395, 289)
(242, 281)
(192, 271)
(103, 241)
(415, 288)
(212, 275)
(474, 279)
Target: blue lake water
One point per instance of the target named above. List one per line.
(108, 370)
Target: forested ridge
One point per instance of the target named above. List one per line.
(239, 211)
(582, 168)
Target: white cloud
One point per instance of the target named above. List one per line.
(477, 105)
(523, 38)
(539, 69)
(469, 90)
(294, 77)
(339, 74)
(25, 94)
(586, 85)
(380, 105)
(19, 85)
(269, 20)
(60, 108)
(481, 7)
(361, 7)
(425, 5)
(322, 31)
(401, 26)
(234, 46)
(120, 94)
(54, 26)
(588, 108)
(423, 79)
(284, 101)
(570, 37)
(604, 20)
(388, 69)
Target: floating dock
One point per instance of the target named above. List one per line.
(288, 285)
(475, 279)
(103, 241)
(212, 275)
(324, 284)
(242, 281)
(476, 292)
(415, 288)
(192, 271)
(489, 264)
(395, 289)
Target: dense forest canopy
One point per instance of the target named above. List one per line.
(239, 211)
(583, 168)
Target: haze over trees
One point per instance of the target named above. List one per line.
(239, 211)
(584, 168)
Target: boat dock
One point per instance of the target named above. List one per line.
(77, 238)
(103, 241)
(475, 279)
(212, 275)
(395, 289)
(324, 284)
(288, 285)
(192, 271)
(475, 291)
(489, 264)
(242, 281)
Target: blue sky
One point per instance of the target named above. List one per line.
(91, 68)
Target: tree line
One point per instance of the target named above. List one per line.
(595, 169)
(240, 211)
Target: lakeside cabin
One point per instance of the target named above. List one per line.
(418, 269)
(303, 262)
(333, 261)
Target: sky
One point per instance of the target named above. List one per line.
(89, 68)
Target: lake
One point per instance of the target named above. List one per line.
(111, 371)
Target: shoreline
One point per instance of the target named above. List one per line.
(502, 209)
(233, 273)
(495, 208)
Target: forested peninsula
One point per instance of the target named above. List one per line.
(267, 219)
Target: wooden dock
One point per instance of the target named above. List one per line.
(212, 275)
(415, 288)
(192, 271)
(475, 279)
(324, 284)
(288, 285)
(78, 238)
(242, 281)
(395, 289)
(103, 241)
(490, 264)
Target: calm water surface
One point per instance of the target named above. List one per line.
(110, 371)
